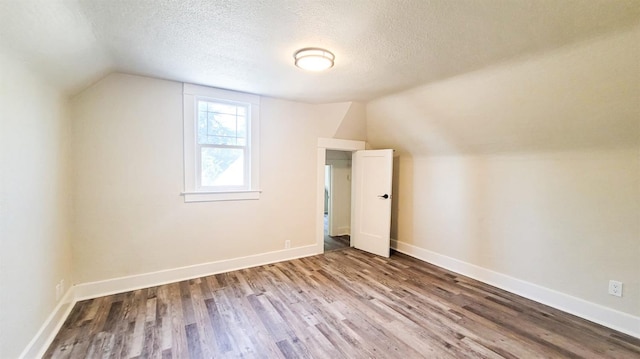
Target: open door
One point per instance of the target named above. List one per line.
(371, 209)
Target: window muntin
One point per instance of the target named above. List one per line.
(221, 144)
(222, 123)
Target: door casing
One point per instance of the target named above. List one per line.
(325, 144)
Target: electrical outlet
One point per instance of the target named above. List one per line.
(287, 244)
(615, 288)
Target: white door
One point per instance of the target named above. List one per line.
(371, 210)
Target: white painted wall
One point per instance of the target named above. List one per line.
(529, 168)
(354, 124)
(35, 249)
(130, 219)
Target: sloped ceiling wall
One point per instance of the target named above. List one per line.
(528, 168)
(55, 39)
(381, 46)
(581, 96)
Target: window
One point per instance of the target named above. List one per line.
(220, 144)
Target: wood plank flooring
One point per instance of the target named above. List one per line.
(332, 243)
(342, 304)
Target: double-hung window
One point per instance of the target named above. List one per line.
(220, 144)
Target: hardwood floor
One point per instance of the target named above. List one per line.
(342, 304)
(336, 242)
(332, 243)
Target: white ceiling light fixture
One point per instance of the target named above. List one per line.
(314, 59)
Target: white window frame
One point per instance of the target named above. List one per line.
(193, 191)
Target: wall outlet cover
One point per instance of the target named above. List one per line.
(615, 288)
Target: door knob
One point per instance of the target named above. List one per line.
(385, 196)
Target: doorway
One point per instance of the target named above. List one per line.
(337, 204)
(325, 144)
(372, 180)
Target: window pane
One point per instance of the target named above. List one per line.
(226, 124)
(242, 127)
(222, 166)
(221, 124)
(221, 108)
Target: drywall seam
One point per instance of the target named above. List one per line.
(608, 317)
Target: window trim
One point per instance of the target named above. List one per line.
(193, 192)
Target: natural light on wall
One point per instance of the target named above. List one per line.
(314, 59)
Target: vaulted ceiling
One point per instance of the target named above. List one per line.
(381, 46)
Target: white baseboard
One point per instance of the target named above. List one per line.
(125, 284)
(608, 317)
(43, 338)
(40, 343)
(341, 231)
(622, 322)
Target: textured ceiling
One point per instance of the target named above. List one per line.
(381, 47)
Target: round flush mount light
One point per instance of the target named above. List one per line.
(314, 59)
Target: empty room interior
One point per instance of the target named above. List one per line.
(171, 172)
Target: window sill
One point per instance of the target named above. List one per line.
(220, 196)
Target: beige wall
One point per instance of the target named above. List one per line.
(529, 168)
(354, 124)
(130, 218)
(35, 251)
